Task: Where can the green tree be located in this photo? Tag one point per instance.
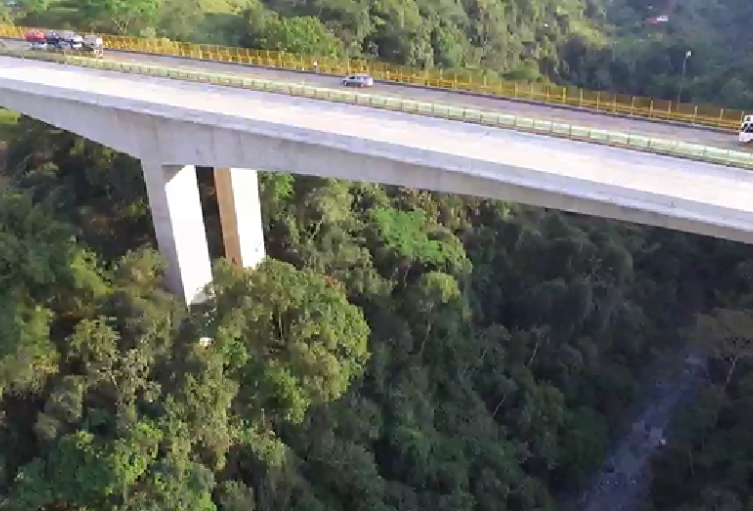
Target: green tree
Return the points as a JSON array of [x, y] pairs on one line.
[[726, 334], [5, 15], [84, 471], [405, 241], [45, 272], [295, 337], [300, 35], [124, 17]]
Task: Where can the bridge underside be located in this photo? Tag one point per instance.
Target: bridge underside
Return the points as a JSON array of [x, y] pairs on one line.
[[170, 149]]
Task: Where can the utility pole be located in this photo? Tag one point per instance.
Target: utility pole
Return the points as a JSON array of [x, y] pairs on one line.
[[682, 76]]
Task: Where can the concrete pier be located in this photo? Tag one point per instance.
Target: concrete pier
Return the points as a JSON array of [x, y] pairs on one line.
[[240, 215], [179, 225]]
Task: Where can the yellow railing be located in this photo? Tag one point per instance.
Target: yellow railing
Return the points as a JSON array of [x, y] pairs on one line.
[[606, 102]]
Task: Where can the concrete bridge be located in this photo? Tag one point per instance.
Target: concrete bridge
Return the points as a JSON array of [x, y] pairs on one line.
[[173, 126]]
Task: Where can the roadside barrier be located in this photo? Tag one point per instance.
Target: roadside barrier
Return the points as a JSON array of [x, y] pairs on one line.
[[485, 117]]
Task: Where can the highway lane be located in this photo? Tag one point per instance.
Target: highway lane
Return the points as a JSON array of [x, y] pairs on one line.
[[689, 134]]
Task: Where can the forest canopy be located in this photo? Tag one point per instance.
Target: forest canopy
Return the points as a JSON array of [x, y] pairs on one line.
[[398, 350]]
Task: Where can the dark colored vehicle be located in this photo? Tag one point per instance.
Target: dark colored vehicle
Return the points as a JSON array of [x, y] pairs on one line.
[[93, 44], [54, 40]]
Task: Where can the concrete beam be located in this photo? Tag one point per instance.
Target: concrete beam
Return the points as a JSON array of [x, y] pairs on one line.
[[240, 215], [179, 225]]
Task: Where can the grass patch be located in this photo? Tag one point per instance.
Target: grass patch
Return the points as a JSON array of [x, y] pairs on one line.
[[8, 117]]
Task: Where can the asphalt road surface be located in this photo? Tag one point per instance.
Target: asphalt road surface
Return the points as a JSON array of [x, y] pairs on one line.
[[726, 140]]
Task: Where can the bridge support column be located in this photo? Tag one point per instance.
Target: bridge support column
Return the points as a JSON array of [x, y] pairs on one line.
[[240, 215], [179, 225]]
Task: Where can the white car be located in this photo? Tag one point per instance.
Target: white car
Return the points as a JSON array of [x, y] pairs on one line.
[[359, 80]]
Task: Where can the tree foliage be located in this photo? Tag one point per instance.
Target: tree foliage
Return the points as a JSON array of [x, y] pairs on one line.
[[399, 349]]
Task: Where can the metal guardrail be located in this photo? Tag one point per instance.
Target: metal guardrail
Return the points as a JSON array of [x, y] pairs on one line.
[[476, 116], [467, 81]]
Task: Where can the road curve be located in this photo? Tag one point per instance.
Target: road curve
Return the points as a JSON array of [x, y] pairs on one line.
[[574, 117]]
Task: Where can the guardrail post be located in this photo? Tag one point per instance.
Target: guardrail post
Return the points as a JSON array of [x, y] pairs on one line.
[[580, 99], [632, 105], [598, 98], [564, 95], [651, 109], [695, 114]]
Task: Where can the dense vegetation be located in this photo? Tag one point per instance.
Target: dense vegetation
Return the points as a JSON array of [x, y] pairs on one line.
[[399, 350]]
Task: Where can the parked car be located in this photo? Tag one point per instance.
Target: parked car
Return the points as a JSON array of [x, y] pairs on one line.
[[358, 80], [55, 41], [67, 40], [36, 40], [74, 40]]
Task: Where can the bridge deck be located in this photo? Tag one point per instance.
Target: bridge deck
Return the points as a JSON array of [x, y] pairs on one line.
[[618, 179], [576, 117]]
